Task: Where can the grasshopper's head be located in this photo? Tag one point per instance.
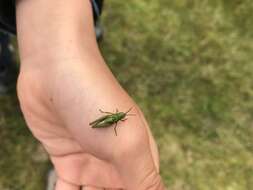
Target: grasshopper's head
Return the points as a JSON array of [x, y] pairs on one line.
[[121, 115], [124, 114]]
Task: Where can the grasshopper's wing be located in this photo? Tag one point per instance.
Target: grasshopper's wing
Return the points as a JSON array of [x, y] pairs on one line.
[[98, 120]]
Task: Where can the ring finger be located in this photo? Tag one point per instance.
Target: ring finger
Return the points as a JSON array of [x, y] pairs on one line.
[[97, 188]]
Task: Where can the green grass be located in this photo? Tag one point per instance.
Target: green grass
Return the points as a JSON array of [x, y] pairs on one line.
[[189, 65], [23, 163]]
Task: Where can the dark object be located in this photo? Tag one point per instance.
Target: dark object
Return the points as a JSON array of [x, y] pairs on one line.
[[7, 65], [8, 16], [97, 7]]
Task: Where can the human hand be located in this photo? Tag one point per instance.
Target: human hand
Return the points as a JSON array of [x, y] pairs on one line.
[[62, 84], [58, 104]]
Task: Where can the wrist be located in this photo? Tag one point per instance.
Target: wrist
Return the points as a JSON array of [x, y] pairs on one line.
[[52, 30]]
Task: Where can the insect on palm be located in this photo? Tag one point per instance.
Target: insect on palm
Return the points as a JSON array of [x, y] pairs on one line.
[[109, 119]]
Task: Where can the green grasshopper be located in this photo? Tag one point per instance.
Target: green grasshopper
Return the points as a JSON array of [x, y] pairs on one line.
[[110, 119]]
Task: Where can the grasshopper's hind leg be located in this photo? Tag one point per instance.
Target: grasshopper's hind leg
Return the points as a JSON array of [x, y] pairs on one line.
[[115, 129], [105, 111]]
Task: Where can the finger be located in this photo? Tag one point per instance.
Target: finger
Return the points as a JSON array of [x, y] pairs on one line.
[[153, 146], [62, 185], [92, 188], [143, 163], [154, 150], [97, 188], [87, 169]]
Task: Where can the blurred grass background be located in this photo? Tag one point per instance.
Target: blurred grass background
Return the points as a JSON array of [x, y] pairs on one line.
[[189, 65]]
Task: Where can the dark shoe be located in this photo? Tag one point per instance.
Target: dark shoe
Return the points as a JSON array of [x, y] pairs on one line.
[[51, 180], [8, 69], [97, 7], [99, 31]]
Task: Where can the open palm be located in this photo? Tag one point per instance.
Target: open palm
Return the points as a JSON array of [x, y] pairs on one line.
[[58, 104]]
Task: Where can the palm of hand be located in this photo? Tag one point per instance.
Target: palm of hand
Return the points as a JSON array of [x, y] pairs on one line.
[[77, 157]]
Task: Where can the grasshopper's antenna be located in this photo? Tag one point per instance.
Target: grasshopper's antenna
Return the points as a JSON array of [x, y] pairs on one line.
[[129, 111]]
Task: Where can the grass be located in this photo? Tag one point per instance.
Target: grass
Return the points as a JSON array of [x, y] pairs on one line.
[[188, 64], [23, 163]]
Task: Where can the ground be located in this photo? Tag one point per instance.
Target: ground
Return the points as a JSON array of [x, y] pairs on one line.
[[188, 64]]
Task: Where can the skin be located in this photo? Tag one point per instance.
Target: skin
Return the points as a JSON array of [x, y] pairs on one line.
[[63, 81]]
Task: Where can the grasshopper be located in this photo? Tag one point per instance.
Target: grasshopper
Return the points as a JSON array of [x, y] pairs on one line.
[[110, 119]]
